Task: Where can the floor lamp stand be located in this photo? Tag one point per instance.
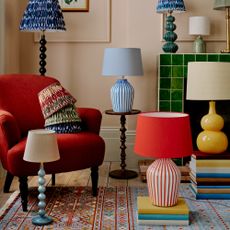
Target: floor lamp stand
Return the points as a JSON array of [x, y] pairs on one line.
[[42, 55], [227, 50]]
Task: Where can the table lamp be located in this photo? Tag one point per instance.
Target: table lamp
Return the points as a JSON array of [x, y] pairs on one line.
[[122, 62], [42, 15], [210, 81], [163, 135], [199, 25], [41, 147], [224, 5], [168, 7]]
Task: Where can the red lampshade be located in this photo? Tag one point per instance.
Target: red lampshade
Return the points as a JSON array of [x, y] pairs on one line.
[[163, 135]]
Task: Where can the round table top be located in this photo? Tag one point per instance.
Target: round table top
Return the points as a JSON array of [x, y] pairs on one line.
[[132, 112]]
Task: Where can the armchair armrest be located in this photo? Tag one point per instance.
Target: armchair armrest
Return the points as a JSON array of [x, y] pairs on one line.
[[91, 119], [9, 133]]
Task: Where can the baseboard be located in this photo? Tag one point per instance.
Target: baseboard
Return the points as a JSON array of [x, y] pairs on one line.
[[112, 141]]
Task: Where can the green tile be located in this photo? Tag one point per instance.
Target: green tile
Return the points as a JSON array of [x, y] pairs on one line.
[[178, 161], [164, 106], [176, 94], [176, 106], [188, 58], [225, 57], [201, 57], [165, 71], [177, 59], [213, 57], [177, 83], [164, 94], [165, 59], [177, 71], [165, 83]]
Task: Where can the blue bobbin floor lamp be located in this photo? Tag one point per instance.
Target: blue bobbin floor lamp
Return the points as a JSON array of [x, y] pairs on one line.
[[168, 7], [42, 15], [122, 62], [41, 147]]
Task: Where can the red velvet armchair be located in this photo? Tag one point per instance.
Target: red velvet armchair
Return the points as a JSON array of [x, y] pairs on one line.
[[20, 112]]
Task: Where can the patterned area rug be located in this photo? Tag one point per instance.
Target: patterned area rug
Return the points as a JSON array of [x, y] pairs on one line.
[[114, 208]]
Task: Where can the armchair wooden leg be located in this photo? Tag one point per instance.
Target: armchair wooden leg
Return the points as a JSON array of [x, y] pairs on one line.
[[94, 179], [23, 187], [8, 181], [53, 179]]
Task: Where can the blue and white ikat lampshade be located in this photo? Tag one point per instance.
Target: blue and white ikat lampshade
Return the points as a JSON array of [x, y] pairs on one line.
[[170, 5], [122, 62], [42, 15]]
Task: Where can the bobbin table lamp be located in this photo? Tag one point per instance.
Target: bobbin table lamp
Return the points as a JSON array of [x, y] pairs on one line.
[[41, 147], [42, 15], [122, 62], [168, 7], [210, 81], [163, 135], [224, 5], [200, 26]]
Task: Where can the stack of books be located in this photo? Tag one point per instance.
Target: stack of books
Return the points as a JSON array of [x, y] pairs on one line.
[[154, 215], [210, 175]]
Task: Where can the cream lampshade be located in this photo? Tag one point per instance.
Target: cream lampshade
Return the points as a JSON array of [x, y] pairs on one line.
[[199, 25], [41, 147], [122, 62], [210, 81]]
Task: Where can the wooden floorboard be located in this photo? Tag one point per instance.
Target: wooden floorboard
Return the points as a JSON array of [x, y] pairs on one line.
[[76, 178]]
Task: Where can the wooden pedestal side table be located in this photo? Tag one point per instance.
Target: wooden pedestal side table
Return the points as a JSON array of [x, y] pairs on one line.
[[123, 173]]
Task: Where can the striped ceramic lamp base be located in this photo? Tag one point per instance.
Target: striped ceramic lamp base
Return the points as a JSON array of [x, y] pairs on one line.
[[122, 94], [163, 179]]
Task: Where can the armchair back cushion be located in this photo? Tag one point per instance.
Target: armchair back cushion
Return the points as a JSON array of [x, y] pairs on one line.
[[16, 97]]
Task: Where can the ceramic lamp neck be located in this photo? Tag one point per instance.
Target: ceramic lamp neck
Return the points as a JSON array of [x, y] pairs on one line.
[[212, 107]]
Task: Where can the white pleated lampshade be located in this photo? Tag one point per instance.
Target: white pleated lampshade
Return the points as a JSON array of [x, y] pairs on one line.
[[41, 146]]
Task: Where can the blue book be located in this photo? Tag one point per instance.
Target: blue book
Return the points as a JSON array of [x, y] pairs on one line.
[[162, 217], [213, 175], [213, 186], [216, 196]]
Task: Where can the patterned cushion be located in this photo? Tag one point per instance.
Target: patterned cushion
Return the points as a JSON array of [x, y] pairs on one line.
[[53, 98], [70, 127], [58, 109], [65, 115]]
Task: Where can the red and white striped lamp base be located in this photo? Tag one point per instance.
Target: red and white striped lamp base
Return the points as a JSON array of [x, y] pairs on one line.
[[163, 179]]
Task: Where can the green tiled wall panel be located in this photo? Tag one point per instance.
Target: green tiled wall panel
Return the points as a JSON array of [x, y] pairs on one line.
[[172, 71]]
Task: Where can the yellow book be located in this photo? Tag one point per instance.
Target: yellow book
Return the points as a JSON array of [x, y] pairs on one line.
[[212, 163], [145, 206]]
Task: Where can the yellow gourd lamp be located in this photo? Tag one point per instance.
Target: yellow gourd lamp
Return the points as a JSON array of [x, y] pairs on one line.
[[210, 81]]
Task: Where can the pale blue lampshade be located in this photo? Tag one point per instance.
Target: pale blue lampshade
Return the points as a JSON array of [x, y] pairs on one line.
[[165, 6], [42, 15], [122, 62]]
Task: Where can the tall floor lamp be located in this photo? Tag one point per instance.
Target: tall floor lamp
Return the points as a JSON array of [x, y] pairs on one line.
[[42, 15], [224, 5]]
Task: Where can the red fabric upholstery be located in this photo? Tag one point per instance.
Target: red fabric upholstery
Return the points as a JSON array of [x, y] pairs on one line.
[[20, 112]]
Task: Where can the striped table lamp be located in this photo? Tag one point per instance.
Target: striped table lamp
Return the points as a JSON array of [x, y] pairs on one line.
[[122, 62], [163, 135]]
